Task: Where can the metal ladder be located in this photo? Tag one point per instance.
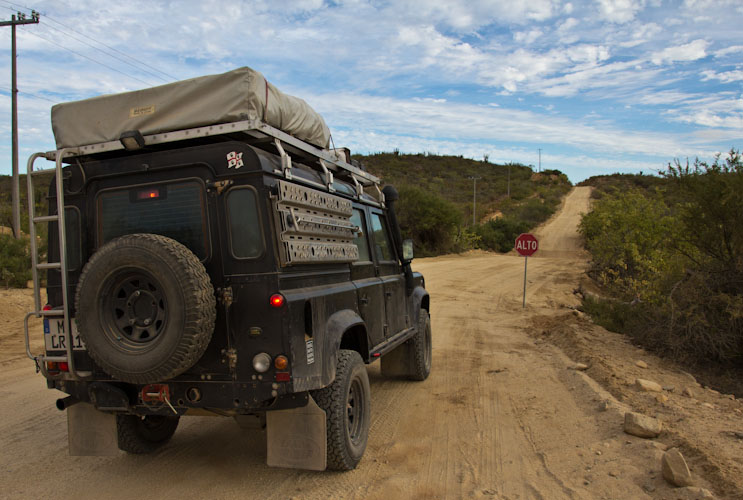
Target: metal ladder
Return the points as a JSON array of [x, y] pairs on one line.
[[42, 359]]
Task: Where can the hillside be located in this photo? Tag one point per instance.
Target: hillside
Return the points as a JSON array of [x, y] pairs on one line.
[[450, 177], [617, 183]]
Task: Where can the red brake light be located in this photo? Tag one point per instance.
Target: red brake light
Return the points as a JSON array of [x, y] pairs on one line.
[[276, 300], [63, 366], [47, 307], [148, 194]]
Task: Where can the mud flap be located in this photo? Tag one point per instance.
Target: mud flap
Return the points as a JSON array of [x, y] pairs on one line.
[[91, 432], [399, 361], [296, 438]]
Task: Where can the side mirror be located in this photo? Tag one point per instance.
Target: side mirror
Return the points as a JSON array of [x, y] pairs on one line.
[[407, 250]]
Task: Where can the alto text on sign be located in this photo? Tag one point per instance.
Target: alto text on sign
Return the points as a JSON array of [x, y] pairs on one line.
[[526, 244]]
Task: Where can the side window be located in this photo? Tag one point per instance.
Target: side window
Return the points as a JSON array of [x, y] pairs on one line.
[[382, 247], [246, 239], [357, 219], [72, 230]]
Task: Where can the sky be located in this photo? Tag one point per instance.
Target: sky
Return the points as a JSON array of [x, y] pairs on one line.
[[599, 86]]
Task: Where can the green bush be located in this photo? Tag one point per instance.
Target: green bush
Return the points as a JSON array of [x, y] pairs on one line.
[[500, 234], [15, 263], [633, 240], [432, 222], [674, 259]]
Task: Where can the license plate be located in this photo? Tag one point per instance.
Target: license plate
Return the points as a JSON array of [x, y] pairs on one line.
[[55, 337]]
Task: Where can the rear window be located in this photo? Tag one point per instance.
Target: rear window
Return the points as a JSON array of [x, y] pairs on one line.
[[174, 210]]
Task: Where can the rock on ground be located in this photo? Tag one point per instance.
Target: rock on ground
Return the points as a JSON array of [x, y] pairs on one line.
[[648, 385], [642, 426], [693, 493], [675, 470]]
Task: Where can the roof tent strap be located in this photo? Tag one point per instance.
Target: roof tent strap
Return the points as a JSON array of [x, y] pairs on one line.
[[328, 176], [380, 194], [286, 160], [359, 187]]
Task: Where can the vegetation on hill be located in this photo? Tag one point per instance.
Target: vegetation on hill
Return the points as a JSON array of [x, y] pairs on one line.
[[436, 199], [670, 249]]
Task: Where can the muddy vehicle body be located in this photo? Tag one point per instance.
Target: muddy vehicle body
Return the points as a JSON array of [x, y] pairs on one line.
[[229, 270]]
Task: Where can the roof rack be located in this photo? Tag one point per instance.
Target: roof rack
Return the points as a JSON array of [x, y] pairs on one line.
[[262, 133]]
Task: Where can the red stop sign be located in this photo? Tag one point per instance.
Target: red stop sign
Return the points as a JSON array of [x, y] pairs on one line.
[[526, 244]]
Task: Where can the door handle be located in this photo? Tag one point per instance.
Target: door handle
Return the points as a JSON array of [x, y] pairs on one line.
[[364, 300]]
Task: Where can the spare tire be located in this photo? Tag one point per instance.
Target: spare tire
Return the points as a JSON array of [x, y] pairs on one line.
[[145, 308]]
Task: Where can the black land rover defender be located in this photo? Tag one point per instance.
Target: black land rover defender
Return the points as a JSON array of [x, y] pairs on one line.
[[225, 270]]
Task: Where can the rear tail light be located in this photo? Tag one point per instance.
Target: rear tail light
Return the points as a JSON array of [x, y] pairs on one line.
[[276, 300], [63, 366]]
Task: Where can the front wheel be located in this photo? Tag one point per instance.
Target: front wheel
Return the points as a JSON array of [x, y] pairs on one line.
[[347, 405], [140, 435], [422, 348]]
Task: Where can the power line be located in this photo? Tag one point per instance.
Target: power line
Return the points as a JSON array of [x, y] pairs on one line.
[[91, 59], [30, 94], [115, 50], [137, 61], [104, 52]]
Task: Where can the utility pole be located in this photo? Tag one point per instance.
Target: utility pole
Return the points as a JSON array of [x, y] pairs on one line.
[[540, 160], [509, 181], [474, 198], [21, 19]]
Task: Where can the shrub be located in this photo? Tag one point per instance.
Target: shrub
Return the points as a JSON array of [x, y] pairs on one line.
[[680, 252], [15, 263], [632, 239], [432, 222], [500, 234]]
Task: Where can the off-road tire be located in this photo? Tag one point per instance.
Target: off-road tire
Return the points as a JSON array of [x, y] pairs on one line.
[[422, 348], [142, 435], [347, 405], [145, 308]]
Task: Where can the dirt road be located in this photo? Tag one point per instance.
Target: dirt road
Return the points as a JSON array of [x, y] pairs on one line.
[[503, 415]]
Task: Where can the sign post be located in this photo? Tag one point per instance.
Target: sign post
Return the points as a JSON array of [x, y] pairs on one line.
[[526, 245]]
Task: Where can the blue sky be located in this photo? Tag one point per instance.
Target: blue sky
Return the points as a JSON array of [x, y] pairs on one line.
[[600, 86]]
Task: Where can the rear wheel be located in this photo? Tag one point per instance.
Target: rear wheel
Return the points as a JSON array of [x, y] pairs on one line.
[[137, 434], [347, 405]]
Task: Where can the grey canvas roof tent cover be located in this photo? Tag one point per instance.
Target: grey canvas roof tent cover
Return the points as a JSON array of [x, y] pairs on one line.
[[240, 94]]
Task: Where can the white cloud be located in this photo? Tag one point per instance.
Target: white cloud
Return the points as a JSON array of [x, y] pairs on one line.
[[641, 34], [620, 11], [724, 77], [457, 121], [688, 52], [728, 50], [527, 37]]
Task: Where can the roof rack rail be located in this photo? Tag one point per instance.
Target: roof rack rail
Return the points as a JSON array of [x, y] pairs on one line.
[[262, 133]]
